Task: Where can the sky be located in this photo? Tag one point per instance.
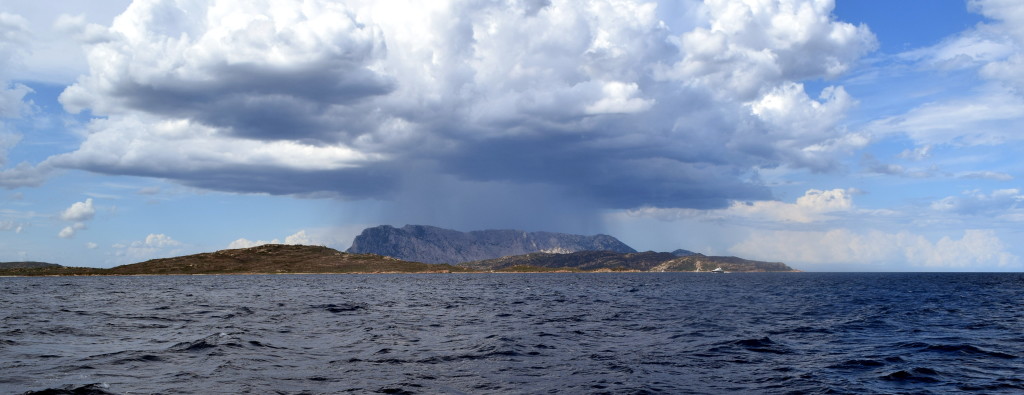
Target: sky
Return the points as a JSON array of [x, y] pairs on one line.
[[831, 135]]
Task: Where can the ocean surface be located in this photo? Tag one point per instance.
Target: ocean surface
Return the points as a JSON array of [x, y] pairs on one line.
[[625, 333]]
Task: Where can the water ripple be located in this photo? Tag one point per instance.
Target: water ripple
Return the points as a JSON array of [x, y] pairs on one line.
[[514, 333]]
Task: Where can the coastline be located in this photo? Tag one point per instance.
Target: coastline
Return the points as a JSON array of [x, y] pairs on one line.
[[299, 259], [600, 271]]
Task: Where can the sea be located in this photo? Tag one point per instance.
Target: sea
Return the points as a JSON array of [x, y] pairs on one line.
[[586, 333]]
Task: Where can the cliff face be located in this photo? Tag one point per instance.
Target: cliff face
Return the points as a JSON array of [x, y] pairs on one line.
[[430, 244]]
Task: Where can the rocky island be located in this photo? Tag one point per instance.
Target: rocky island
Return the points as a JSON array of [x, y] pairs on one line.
[[425, 249], [429, 244]]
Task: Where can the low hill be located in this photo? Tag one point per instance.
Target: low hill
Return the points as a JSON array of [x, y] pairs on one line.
[[279, 258], [27, 265], [421, 243], [640, 261]]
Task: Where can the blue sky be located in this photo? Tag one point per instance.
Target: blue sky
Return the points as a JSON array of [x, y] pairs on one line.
[[858, 135]]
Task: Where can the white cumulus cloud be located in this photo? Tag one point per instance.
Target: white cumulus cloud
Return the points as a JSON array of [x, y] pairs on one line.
[[154, 245], [69, 231], [157, 241], [79, 211], [814, 206], [300, 237], [246, 243]]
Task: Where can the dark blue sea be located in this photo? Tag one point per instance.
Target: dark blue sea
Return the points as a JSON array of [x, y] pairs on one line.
[[628, 333]]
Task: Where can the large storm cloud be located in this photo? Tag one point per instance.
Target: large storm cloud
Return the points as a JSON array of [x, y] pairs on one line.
[[606, 104]]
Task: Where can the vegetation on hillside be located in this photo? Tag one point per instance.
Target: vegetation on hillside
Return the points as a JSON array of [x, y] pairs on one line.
[[281, 259]]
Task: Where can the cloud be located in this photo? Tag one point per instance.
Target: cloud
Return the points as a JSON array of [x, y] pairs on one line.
[[603, 102], [975, 250], [14, 44], [973, 48], [24, 175], [9, 225], [200, 157], [999, 203], [814, 206], [1010, 18], [871, 164], [14, 37], [985, 175], [153, 245], [990, 118], [80, 30], [619, 98], [157, 241], [79, 211], [990, 113], [268, 70], [246, 243], [300, 237], [69, 231], [918, 153], [7, 141], [751, 45]]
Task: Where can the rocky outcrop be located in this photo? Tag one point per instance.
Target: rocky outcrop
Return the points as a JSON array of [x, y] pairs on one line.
[[428, 244]]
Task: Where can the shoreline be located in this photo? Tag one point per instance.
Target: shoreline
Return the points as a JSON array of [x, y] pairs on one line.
[[368, 273]]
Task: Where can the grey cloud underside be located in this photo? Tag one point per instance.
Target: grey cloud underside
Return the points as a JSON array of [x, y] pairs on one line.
[[599, 106], [368, 182], [253, 102], [588, 178], [614, 178]]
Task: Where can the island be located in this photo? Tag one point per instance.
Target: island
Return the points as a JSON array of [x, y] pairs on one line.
[[301, 259]]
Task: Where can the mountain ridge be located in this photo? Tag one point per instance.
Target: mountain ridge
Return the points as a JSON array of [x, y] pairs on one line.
[[431, 244]]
